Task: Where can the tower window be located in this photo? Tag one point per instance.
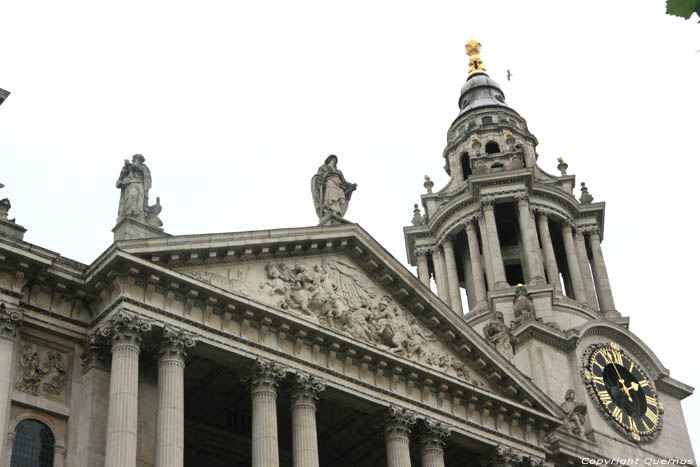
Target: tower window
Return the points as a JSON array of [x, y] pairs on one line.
[[466, 168], [33, 445], [492, 147], [486, 121]]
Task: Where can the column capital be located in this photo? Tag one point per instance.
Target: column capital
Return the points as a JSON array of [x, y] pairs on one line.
[[434, 434], [126, 328], [265, 375], [447, 240], [488, 202], [522, 197], [307, 388], [95, 355], [541, 213], [505, 456], [593, 232], [10, 321], [422, 251], [470, 222], [567, 224], [175, 342], [399, 421]]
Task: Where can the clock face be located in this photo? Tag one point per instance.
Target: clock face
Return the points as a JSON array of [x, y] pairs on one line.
[[622, 391]]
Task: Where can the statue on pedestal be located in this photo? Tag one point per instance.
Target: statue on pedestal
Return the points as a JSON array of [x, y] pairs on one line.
[[134, 182], [523, 307], [330, 191], [499, 336]]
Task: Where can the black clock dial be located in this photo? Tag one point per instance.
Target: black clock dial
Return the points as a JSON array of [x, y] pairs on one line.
[[622, 391]]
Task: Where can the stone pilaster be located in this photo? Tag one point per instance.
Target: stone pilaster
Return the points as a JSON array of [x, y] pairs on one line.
[[600, 276], [572, 262], [423, 269], [10, 320], [432, 443], [398, 427], [495, 257], [475, 260], [531, 248], [170, 419], [585, 267], [452, 277], [264, 382], [126, 331], [304, 437], [550, 260], [440, 274]]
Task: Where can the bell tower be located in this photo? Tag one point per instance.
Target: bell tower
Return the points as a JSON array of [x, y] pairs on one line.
[[501, 220]]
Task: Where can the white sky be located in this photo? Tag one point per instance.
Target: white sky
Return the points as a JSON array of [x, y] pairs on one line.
[[236, 104]]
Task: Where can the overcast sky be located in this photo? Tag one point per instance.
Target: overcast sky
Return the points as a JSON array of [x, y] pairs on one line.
[[235, 105]]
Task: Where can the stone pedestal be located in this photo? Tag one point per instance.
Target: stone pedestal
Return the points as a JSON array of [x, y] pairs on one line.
[[128, 229], [304, 436], [398, 427], [264, 381]]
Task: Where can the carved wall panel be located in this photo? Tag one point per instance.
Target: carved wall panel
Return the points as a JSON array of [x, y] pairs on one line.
[[43, 371], [334, 292]]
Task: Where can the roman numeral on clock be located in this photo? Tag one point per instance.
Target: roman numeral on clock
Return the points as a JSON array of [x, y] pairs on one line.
[[652, 416]]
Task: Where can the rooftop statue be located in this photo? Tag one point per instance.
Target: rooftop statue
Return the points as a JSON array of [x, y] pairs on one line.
[[134, 182], [331, 192]]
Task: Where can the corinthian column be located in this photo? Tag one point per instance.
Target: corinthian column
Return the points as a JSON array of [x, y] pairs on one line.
[[170, 421], [550, 260], [452, 277], [585, 267], [9, 322], [398, 427], [572, 261], [600, 276], [432, 442], [475, 260], [440, 274], [304, 437], [531, 248], [126, 331], [423, 270], [264, 381], [495, 257]]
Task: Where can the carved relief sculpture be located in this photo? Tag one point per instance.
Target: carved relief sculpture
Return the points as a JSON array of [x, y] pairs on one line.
[[575, 417], [30, 371], [56, 373], [499, 336], [330, 191]]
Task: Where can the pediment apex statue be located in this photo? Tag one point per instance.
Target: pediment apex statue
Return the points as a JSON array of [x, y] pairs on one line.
[[330, 191], [134, 182]]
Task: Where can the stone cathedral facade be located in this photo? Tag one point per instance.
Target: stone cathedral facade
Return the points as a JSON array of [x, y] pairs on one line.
[[313, 346]]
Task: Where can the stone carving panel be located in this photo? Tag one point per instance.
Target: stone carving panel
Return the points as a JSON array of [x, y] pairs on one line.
[[42, 372], [333, 292]]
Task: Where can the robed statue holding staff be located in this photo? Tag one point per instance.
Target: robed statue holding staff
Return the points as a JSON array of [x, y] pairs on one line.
[[330, 191]]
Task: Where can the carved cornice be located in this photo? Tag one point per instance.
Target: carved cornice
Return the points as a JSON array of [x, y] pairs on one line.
[[126, 328], [10, 320], [307, 388], [399, 422]]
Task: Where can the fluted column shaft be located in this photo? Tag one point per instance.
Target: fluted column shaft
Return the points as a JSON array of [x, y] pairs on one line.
[[170, 418], [487, 255], [9, 321], [528, 234], [496, 259], [264, 382], [122, 415], [452, 277], [440, 275], [600, 276], [585, 270], [423, 269], [475, 260], [126, 331], [396, 433], [572, 260], [304, 436], [550, 260]]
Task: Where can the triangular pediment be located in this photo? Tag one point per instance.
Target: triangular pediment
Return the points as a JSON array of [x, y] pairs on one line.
[[334, 291]]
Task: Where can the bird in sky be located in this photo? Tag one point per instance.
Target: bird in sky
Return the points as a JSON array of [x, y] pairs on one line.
[[509, 74]]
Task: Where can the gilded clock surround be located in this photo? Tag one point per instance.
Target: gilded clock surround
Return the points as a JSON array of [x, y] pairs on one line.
[[622, 391]]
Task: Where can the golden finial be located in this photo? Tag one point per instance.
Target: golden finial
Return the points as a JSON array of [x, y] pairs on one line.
[[473, 48], [508, 133], [560, 159], [475, 138], [427, 177]]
